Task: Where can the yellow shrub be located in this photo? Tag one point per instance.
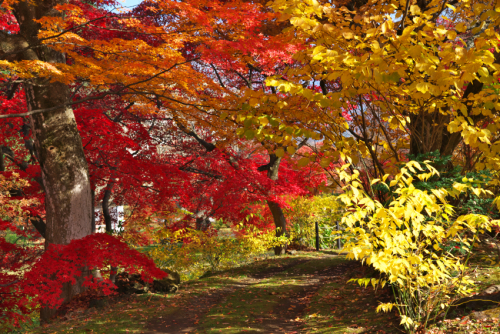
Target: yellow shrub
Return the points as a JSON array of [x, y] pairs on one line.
[[304, 212], [192, 252], [12, 209], [405, 241]]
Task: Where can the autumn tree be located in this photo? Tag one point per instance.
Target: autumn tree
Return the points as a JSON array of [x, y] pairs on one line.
[[244, 64], [414, 78], [63, 56]]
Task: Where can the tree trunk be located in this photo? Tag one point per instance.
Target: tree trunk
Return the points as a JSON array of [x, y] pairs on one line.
[[105, 208], [108, 221], [202, 223], [94, 227], [96, 272], [277, 212], [2, 163], [68, 202], [429, 131], [57, 141], [280, 225]]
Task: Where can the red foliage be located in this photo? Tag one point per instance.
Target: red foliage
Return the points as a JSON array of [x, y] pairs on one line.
[[150, 162], [59, 264], [63, 263]]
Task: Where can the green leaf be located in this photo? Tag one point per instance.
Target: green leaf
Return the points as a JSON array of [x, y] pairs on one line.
[[274, 122]]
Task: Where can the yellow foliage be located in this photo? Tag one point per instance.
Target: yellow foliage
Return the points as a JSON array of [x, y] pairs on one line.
[[397, 59], [405, 73], [192, 252], [12, 209], [303, 212], [405, 240]]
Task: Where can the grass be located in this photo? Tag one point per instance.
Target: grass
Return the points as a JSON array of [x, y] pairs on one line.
[[255, 297], [125, 317], [253, 302]]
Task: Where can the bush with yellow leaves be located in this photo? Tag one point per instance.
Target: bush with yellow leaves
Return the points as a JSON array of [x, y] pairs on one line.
[[193, 252], [304, 212], [406, 240]]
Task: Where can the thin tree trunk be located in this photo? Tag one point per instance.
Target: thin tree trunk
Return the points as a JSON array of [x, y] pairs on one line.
[[94, 228], [108, 220], [277, 212], [105, 207], [2, 163], [96, 272]]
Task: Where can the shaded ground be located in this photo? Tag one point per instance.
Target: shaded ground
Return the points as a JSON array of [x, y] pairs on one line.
[[305, 293], [187, 318], [288, 315]]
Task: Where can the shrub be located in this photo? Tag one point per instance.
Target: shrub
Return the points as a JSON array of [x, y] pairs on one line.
[[304, 212], [408, 239], [192, 252]]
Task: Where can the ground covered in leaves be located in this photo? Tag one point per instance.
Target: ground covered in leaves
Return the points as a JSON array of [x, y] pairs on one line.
[[305, 293]]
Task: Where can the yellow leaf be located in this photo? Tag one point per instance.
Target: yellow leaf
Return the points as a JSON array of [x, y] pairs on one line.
[[441, 31], [423, 87], [414, 9], [415, 51], [451, 35], [325, 162], [451, 7], [253, 102], [483, 71], [303, 162], [348, 34], [461, 27]]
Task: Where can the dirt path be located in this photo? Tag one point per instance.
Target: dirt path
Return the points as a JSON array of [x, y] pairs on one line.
[[187, 318], [285, 316]]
